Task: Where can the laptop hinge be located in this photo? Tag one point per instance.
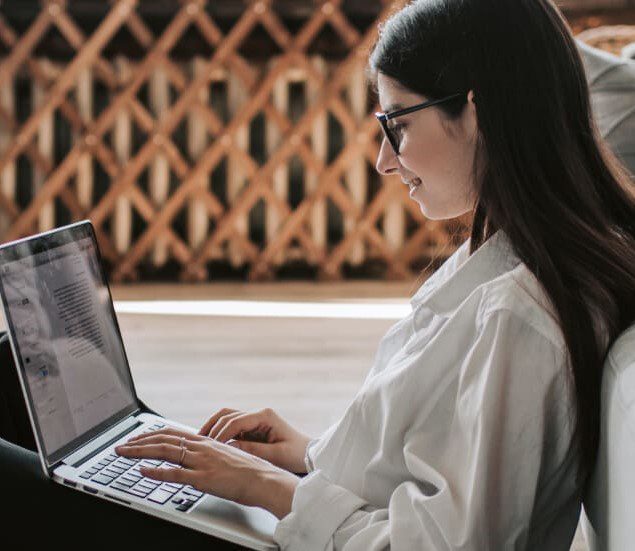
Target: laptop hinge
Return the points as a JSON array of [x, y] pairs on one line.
[[100, 443]]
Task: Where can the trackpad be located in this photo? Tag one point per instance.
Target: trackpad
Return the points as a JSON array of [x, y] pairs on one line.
[[226, 515]]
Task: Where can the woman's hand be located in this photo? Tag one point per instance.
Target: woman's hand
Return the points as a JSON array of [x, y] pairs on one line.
[[215, 468], [263, 433]]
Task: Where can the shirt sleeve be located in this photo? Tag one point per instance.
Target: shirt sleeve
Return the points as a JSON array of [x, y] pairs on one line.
[[482, 497]]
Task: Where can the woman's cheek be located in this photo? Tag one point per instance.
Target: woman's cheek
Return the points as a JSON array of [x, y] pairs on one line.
[[411, 157]]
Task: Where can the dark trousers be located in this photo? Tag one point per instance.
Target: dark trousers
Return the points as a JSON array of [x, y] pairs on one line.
[[37, 511]]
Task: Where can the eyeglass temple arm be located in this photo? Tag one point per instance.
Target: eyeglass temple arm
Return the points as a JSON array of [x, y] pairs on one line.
[[408, 110]]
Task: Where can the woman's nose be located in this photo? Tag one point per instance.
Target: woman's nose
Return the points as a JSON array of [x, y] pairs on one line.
[[386, 160]]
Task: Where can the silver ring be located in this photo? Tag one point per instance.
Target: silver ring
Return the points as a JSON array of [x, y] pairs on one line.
[[183, 450]]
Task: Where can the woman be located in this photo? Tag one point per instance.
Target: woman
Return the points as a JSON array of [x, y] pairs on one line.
[[477, 426]]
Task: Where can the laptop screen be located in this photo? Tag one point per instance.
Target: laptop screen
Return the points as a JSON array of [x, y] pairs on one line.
[[65, 334]]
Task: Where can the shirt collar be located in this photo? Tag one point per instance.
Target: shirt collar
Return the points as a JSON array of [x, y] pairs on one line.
[[462, 273]]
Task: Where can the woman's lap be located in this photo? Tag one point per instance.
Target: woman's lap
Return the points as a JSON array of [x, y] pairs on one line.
[[39, 511]]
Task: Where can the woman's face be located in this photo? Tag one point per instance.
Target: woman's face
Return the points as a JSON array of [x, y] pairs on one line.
[[436, 155]]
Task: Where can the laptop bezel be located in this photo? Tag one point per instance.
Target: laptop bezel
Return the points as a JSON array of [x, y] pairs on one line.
[[23, 248]]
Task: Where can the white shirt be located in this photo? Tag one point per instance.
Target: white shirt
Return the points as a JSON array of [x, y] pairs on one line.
[[460, 435]]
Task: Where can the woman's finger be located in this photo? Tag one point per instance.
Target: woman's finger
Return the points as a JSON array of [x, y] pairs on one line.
[[222, 422], [163, 451], [180, 476], [157, 439], [264, 451], [247, 422], [207, 427], [171, 432]]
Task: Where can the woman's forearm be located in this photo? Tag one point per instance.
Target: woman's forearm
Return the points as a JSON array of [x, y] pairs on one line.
[[275, 491]]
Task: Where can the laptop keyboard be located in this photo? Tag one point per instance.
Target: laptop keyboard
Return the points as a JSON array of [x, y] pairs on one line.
[[122, 473]]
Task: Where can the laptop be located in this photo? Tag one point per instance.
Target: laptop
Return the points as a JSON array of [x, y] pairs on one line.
[[79, 390]]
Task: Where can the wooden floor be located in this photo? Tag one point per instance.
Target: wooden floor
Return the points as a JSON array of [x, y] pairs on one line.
[[308, 369], [349, 291]]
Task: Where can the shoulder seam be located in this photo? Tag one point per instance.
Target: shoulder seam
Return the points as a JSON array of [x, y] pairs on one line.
[[483, 315]]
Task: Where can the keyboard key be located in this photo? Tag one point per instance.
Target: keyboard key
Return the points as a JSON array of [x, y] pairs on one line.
[[152, 481], [178, 500], [125, 482], [92, 470], [141, 489], [86, 475], [101, 479], [184, 506], [131, 491], [192, 492], [102, 464], [116, 469], [151, 462], [146, 485], [111, 473], [130, 477], [117, 485], [159, 496], [174, 485], [111, 457], [169, 489], [127, 461]]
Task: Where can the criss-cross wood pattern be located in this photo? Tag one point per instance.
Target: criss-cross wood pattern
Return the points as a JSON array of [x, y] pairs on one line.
[[139, 224], [183, 184]]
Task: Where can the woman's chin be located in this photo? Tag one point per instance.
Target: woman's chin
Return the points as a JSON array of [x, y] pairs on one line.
[[429, 213], [437, 214]]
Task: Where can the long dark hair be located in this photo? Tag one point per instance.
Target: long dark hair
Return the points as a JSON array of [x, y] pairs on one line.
[[545, 176]]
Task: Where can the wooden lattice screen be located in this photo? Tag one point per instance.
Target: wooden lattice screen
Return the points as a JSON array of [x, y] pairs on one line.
[[217, 157], [158, 151]]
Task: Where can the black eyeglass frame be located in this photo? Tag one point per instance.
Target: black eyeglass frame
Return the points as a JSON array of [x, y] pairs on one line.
[[383, 118]]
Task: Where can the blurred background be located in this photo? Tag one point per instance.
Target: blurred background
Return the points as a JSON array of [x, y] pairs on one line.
[[225, 152], [216, 141]]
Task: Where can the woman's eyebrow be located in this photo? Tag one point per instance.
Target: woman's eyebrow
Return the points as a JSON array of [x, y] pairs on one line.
[[393, 107]]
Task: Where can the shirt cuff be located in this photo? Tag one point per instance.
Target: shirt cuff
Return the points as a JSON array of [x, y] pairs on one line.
[[308, 462], [317, 509]]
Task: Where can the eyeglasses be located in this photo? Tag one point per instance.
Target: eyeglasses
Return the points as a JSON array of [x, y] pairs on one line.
[[390, 133]]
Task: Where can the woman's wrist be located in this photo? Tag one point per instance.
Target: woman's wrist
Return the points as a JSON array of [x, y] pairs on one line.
[[300, 463], [275, 489]]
